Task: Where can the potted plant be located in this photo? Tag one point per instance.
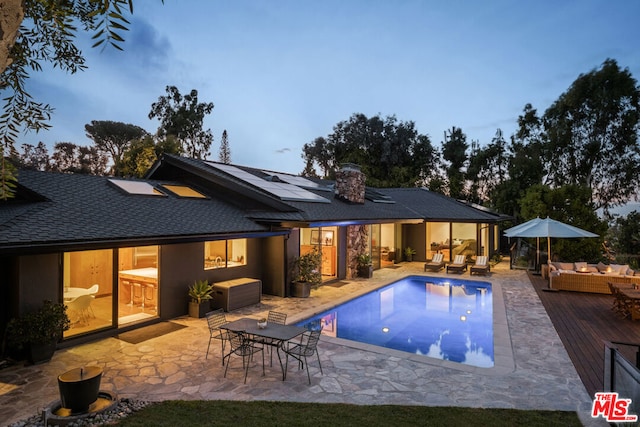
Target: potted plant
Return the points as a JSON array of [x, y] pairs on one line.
[[306, 274], [409, 252], [39, 331], [365, 267], [200, 294]]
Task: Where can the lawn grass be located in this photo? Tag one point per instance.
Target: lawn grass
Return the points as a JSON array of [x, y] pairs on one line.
[[266, 413]]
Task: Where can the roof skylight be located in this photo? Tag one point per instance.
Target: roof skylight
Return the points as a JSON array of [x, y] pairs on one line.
[[184, 191], [137, 187]]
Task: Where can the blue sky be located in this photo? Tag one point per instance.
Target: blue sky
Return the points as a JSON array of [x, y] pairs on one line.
[[282, 73]]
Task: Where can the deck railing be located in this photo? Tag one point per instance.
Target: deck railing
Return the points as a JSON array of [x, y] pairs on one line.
[[621, 375]]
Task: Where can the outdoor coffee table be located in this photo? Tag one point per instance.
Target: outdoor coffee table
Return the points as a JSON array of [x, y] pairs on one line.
[[273, 331]]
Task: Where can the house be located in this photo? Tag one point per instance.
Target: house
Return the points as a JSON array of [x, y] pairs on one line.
[[144, 241]]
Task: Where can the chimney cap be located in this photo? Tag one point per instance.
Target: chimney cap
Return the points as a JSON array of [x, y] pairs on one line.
[[349, 167]]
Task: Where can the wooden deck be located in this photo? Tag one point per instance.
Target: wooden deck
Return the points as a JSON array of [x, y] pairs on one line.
[[583, 322]]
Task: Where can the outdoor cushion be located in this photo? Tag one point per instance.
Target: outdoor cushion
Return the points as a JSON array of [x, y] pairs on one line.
[[580, 265], [565, 266], [602, 267], [620, 269]]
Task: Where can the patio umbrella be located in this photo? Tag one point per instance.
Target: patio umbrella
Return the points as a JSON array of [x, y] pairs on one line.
[[548, 228], [511, 232]]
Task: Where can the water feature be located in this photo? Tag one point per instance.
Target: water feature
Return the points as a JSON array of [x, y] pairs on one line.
[[80, 397]]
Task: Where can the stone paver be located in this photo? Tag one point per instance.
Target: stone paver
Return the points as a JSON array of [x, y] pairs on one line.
[[533, 370]]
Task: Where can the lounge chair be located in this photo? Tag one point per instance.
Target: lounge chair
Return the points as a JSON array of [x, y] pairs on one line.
[[458, 265], [436, 263], [481, 266]]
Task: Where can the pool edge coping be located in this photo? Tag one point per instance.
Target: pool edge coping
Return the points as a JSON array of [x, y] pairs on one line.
[[503, 358]]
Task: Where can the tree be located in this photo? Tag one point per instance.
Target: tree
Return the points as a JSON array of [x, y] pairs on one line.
[[454, 151], [225, 151], [487, 169], [142, 153], [37, 32], [182, 117], [35, 158], [525, 165], [571, 204], [626, 239], [113, 138], [592, 132], [390, 153], [71, 158]]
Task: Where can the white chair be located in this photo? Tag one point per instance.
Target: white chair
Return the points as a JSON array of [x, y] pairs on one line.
[[93, 290], [81, 306]]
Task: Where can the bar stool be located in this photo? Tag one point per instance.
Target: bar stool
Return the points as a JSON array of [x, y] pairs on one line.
[[127, 283], [138, 286], [152, 287]]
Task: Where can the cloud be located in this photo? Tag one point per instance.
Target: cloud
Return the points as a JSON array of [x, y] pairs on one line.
[[144, 49]]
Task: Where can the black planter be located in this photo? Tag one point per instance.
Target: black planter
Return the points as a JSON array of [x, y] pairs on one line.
[[79, 388], [199, 310], [300, 289], [365, 271], [41, 352]]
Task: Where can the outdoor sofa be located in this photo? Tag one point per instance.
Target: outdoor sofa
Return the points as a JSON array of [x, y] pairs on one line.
[[594, 278]]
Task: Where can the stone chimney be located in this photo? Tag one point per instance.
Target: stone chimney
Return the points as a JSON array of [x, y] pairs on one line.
[[350, 183]]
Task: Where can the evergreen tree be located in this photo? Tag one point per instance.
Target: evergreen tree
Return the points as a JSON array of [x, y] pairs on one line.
[[225, 152]]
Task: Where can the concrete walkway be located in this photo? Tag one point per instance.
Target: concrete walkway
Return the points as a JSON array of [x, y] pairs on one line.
[[532, 369]]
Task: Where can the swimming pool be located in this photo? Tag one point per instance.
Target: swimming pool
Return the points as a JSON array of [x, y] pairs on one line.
[[439, 317]]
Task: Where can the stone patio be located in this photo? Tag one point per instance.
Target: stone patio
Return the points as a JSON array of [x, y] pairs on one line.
[[532, 369]]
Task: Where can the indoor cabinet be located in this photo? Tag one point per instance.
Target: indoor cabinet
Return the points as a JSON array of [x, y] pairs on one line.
[[92, 267], [328, 264]]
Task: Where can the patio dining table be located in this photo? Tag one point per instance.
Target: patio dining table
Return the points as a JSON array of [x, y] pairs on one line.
[[632, 294], [273, 331]]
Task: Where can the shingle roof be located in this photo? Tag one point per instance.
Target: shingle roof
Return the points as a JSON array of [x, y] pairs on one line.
[[406, 203], [83, 208], [432, 206], [80, 209]]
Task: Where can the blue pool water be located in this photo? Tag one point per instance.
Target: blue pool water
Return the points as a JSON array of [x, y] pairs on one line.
[[448, 319]]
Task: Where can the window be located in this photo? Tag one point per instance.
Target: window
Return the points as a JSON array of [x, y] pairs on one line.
[[88, 290], [225, 253], [138, 284], [184, 191], [136, 187]]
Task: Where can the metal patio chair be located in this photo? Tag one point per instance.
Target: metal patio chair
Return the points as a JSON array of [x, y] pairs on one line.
[[307, 345], [242, 346], [215, 319]]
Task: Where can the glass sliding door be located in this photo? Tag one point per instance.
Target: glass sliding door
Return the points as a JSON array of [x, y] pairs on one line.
[[87, 282], [138, 285], [464, 239], [323, 239], [439, 239], [387, 245], [375, 245]]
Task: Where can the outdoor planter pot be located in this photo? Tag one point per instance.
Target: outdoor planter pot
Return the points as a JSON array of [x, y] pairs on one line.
[[300, 289], [306, 273], [365, 268], [38, 331], [200, 293]]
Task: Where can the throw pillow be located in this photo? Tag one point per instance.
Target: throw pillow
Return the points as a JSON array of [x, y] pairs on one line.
[[581, 266]]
